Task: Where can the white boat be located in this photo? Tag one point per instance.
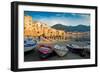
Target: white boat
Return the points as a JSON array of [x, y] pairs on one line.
[[29, 44], [60, 50]]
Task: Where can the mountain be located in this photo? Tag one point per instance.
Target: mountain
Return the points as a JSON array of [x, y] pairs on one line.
[[78, 28]]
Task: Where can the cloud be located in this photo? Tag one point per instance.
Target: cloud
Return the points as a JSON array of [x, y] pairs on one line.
[[70, 19]]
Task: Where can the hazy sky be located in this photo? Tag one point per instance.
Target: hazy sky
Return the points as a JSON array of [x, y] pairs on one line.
[[52, 18]]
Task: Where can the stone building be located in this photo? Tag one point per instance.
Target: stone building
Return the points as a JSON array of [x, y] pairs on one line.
[[77, 36], [39, 29]]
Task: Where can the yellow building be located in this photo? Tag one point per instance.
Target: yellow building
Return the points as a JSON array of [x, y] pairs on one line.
[[27, 26], [39, 29]]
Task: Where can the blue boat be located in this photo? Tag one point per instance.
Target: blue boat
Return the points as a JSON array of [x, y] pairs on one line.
[[29, 44], [82, 51]]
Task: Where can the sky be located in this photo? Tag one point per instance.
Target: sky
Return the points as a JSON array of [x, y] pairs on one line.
[[52, 18]]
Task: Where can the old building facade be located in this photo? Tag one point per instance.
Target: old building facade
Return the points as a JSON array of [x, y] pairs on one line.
[[40, 29]]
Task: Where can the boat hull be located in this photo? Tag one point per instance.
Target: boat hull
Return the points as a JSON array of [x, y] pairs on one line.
[[29, 44], [26, 49], [80, 51], [60, 50], [45, 51]]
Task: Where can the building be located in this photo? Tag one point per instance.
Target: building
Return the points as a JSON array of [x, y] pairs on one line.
[[39, 29]]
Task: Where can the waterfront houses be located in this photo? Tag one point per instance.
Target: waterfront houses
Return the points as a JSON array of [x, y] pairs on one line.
[[40, 29]]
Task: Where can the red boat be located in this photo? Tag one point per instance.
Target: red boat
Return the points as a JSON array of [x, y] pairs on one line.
[[45, 51]]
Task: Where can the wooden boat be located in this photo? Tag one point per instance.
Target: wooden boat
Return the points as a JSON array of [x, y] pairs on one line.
[[45, 51], [29, 44], [82, 51], [87, 49], [60, 50]]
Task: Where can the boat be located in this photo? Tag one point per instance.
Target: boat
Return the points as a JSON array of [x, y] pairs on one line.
[[45, 51], [60, 50], [29, 44], [82, 51], [87, 49]]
